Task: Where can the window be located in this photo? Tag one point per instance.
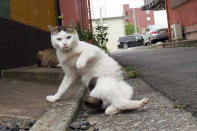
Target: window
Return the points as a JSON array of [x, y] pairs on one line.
[[148, 18], [138, 37], [148, 25], [130, 38], [147, 11]]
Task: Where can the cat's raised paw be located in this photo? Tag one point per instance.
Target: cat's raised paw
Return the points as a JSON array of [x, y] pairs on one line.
[[80, 64], [51, 98]]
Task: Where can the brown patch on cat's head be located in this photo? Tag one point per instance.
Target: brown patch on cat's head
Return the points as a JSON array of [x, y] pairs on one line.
[[70, 28], [56, 29]]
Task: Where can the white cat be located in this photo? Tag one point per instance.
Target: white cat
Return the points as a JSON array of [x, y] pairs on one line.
[[78, 58]]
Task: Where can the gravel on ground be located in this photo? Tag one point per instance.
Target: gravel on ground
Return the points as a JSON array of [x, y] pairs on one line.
[[15, 124]]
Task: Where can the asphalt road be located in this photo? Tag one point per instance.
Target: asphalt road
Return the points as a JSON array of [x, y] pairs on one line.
[[171, 71]]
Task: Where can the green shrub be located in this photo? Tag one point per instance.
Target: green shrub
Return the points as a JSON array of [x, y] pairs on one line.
[[98, 39], [130, 29]]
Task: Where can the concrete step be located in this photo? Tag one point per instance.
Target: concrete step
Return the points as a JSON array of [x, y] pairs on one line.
[[34, 74], [22, 99]]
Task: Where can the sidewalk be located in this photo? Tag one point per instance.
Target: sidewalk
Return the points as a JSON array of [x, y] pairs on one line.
[[183, 43], [159, 114], [26, 100]]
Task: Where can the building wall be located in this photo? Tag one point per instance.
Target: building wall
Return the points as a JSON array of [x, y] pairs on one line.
[[75, 10], [20, 43], [141, 17], [116, 29], [127, 13], [186, 15], [41, 13], [20, 40], [34, 12]]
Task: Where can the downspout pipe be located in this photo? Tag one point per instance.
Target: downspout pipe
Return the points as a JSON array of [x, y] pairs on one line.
[[168, 17], [90, 17]]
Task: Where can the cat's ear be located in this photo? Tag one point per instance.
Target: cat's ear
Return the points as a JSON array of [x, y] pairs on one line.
[[52, 29], [71, 27], [71, 24]]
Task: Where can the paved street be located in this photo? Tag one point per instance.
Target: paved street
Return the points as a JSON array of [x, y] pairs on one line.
[[171, 71]]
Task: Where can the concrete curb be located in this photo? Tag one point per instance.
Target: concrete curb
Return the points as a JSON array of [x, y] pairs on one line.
[[185, 43], [35, 74], [61, 114]]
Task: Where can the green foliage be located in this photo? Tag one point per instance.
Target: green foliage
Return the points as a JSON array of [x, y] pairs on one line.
[[128, 68], [181, 106], [130, 29], [100, 37], [83, 35], [131, 72], [134, 74]]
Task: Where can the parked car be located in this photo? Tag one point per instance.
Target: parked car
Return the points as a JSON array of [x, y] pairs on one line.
[[155, 33], [130, 41]]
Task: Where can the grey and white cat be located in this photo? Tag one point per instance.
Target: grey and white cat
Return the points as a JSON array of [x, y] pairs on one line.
[[78, 58]]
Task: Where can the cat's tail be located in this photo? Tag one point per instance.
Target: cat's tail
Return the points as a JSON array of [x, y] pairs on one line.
[[126, 89], [125, 104]]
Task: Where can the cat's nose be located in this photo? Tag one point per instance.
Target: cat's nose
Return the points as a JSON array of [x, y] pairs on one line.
[[64, 44]]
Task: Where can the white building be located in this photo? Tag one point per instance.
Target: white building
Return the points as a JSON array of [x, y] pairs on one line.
[[116, 29]]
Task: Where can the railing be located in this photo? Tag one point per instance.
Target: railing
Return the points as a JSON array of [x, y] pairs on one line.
[[153, 5]]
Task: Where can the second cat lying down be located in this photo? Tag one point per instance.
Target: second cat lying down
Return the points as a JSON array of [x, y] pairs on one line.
[[47, 58]]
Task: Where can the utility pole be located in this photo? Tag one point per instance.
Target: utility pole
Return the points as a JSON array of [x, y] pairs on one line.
[[134, 20], [101, 17]]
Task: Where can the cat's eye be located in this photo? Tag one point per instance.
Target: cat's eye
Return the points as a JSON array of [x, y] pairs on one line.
[[59, 39], [68, 37]]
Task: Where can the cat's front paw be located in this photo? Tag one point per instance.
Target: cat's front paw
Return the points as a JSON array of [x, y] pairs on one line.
[[51, 98], [80, 64]]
